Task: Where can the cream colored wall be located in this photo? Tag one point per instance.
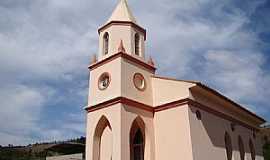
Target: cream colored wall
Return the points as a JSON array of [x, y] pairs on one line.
[[127, 35], [128, 89], [121, 85], [208, 137], [120, 118], [128, 115], [166, 91], [113, 114], [106, 144], [114, 90], [172, 134]]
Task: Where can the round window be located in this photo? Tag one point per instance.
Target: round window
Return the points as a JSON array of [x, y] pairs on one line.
[[104, 81], [139, 81]]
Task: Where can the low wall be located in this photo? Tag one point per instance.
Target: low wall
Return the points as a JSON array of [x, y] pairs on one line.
[[67, 157]]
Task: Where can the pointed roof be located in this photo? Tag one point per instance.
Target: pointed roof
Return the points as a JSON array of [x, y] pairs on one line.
[[122, 12]]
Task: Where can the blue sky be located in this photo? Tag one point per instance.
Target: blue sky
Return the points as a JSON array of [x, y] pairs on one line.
[[45, 48]]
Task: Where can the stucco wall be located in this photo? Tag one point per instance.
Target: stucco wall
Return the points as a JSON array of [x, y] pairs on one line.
[[208, 134], [113, 115], [128, 115], [114, 89], [121, 72], [166, 91], [120, 118], [128, 88], [127, 36], [172, 134]]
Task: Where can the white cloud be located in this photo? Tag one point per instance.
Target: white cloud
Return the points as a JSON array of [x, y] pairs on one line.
[[239, 75], [20, 111], [213, 42]]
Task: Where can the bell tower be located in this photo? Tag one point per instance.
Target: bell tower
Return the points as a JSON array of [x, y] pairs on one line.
[[132, 35], [119, 111]]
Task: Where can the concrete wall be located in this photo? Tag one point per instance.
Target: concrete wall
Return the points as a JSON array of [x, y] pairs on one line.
[[208, 134], [67, 157]]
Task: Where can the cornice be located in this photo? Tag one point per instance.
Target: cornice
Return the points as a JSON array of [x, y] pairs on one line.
[[126, 23], [179, 103], [152, 69], [243, 109], [121, 100]]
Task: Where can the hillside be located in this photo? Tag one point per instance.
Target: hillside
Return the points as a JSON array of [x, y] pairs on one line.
[[39, 151]]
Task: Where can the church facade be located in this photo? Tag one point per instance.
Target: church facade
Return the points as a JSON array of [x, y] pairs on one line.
[[133, 114]]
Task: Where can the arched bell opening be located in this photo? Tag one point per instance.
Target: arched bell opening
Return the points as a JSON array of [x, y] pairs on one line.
[[106, 43], [137, 44]]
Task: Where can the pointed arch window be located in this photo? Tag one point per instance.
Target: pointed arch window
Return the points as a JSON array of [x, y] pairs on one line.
[[241, 148], [137, 140], [252, 150], [106, 43], [228, 146], [137, 44], [138, 147]]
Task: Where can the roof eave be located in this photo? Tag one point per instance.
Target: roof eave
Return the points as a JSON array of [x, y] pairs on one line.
[[208, 89]]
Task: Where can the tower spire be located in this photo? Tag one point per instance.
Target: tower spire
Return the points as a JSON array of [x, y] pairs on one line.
[[122, 12]]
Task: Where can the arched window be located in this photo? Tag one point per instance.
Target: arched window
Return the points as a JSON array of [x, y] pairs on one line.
[[228, 146], [138, 148], [106, 43], [241, 148], [252, 150], [137, 44], [137, 140]]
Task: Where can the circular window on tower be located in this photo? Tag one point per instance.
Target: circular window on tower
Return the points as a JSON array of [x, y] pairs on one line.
[[104, 81], [139, 81]]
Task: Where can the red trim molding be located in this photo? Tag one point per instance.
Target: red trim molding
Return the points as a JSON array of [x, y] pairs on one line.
[[179, 103], [127, 23], [126, 56], [122, 100], [171, 105], [228, 100]]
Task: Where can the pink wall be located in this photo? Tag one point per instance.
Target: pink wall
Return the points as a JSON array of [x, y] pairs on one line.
[[207, 136]]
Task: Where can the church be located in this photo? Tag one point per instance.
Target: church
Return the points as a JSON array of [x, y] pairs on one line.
[[133, 114]]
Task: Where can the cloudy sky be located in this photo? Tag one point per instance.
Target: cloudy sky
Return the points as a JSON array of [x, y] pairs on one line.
[[46, 45]]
